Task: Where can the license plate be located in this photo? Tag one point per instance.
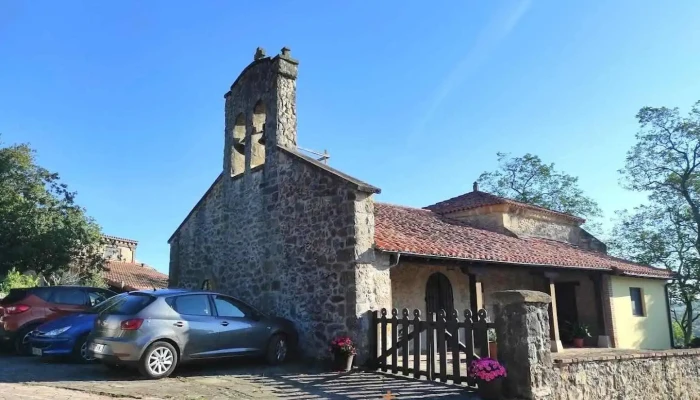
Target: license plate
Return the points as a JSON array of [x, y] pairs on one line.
[[36, 352], [99, 348]]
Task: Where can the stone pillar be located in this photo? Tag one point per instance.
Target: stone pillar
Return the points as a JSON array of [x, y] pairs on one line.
[[372, 284], [556, 345], [522, 327]]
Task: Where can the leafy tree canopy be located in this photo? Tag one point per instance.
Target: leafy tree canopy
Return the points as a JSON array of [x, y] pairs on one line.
[[42, 228], [666, 233], [529, 180]]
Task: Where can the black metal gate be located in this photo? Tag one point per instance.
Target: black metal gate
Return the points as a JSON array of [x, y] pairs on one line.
[[422, 347]]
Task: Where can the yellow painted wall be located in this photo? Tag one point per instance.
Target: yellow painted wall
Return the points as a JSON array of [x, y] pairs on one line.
[[634, 332]]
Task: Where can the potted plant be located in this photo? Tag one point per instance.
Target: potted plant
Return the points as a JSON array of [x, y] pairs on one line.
[[343, 350], [489, 375], [493, 347], [579, 332]]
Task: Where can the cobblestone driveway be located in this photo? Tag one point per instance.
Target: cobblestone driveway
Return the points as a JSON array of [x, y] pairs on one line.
[[29, 378]]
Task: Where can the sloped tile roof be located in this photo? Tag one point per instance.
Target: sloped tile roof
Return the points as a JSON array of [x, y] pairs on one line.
[[478, 199], [423, 232], [120, 239], [134, 276]]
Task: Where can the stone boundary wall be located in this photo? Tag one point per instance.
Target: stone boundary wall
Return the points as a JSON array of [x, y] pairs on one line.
[[671, 374]]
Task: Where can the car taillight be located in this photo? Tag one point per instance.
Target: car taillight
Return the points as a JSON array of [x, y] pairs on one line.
[[131, 324], [18, 309]]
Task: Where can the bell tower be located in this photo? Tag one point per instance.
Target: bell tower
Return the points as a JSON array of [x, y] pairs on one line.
[[260, 111]]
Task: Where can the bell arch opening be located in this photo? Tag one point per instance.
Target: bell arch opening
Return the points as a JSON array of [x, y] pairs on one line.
[[257, 135], [238, 150]]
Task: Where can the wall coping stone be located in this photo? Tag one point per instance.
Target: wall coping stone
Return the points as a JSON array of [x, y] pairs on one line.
[[358, 184], [626, 356], [521, 296]]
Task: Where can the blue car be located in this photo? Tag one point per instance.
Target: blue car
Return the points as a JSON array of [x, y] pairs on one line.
[[66, 336]]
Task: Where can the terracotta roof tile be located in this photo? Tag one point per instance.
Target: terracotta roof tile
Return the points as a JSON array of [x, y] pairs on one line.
[[120, 239], [134, 276], [478, 199], [423, 232]]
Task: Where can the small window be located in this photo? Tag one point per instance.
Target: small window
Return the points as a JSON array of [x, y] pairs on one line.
[[637, 298], [226, 307], [196, 304], [74, 297]]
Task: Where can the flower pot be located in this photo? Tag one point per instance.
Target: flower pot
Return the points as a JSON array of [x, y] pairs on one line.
[[343, 362], [578, 342], [493, 350], [490, 390]]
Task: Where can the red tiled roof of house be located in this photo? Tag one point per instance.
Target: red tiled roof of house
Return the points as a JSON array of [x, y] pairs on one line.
[[134, 276], [478, 199], [422, 232]]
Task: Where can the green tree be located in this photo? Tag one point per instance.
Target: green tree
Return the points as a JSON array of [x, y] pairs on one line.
[[16, 280], [42, 228], [678, 333], [664, 164], [529, 180]]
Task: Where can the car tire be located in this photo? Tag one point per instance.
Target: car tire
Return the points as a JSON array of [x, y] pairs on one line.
[[21, 343], [158, 361], [80, 351], [277, 350]]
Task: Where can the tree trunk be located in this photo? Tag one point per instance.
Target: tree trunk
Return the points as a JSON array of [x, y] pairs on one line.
[[688, 334]]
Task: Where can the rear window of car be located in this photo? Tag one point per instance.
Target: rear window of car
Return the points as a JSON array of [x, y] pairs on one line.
[[14, 296], [129, 304]]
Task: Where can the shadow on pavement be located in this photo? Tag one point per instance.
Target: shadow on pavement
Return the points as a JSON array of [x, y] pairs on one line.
[[240, 378]]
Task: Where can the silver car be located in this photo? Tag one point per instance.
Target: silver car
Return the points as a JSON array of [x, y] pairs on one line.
[[157, 330]]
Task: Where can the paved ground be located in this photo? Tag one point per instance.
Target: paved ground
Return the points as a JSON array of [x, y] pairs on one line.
[[29, 378]]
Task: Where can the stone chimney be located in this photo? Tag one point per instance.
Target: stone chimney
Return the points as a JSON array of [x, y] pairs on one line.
[[476, 186]]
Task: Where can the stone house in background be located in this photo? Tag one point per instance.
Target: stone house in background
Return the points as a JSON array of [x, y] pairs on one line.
[[123, 272], [302, 240]]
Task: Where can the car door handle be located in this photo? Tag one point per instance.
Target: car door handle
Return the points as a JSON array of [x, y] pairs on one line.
[[179, 324], [225, 323]]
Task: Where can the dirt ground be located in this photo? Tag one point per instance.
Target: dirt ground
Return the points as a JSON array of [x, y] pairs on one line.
[[30, 378]]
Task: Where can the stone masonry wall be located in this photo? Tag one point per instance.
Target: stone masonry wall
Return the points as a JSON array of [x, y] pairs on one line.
[[284, 241], [409, 280], [644, 376]]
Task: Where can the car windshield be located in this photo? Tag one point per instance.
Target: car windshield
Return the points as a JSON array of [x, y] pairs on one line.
[[98, 308], [129, 304]]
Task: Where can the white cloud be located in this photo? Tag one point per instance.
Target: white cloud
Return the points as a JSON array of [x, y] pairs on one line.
[[495, 31]]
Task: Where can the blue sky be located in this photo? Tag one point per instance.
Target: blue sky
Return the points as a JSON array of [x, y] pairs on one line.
[[125, 98]]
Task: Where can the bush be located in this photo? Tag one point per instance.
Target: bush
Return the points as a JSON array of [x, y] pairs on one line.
[[695, 343], [15, 280]]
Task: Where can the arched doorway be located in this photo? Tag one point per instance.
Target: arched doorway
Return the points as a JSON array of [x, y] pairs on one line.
[[438, 294]]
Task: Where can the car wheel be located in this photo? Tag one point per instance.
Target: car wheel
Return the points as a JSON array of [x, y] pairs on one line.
[[277, 350], [22, 346], [158, 361], [80, 351]]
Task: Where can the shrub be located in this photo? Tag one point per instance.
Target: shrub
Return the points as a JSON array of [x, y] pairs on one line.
[[16, 280], [486, 369], [694, 343]]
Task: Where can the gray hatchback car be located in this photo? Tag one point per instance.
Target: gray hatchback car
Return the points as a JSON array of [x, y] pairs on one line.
[[157, 330]]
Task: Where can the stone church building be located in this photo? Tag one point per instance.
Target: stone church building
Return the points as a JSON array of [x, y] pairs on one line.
[[299, 239]]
